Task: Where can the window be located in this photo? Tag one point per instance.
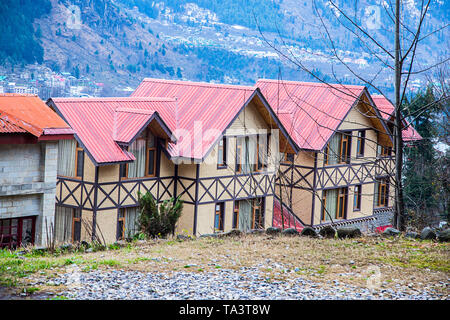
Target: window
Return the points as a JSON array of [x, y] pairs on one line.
[[222, 153], [236, 215], [127, 223], [218, 217], [258, 214], [289, 158], [246, 153], [360, 143], [76, 225], [67, 153], [121, 224], [144, 150], [238, 167], [382, 192], [334, 204], [357, 198], [79, 161], [338, 149], [17, 232], [151, 156], [262, 152], [384, 151], [123, 170], [67, 224]]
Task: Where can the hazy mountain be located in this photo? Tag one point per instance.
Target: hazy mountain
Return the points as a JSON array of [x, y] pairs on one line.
[[120, 42]]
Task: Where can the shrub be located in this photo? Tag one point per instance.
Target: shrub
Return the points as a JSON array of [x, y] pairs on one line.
[[159, 221]]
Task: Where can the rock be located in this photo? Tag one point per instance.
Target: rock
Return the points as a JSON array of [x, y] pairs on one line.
[[273, 231], [290, 232], [412, 235], [427, 234], [391, 232], [231, 233], [121, 243], [327, 232], [183, 237], [209, 235], [444, 236], [66, 247], [443, 225], [348, 232], [309, 232], [255, 231]]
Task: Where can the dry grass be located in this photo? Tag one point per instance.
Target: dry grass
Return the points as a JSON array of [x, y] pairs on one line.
[[401, 261]]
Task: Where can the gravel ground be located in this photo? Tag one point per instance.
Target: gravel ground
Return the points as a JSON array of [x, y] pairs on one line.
[[223, 284]]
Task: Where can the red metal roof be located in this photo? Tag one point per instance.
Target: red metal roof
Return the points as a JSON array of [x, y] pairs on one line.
[[100, 123], [202, 111], [31, 114], [311, 112], [8, 126], [387, 111]]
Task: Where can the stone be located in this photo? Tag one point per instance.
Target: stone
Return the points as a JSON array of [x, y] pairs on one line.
[[444, 235], [273, 231], [391, 232], [309, 232], [327, 232], [348, 232], [232, 233], [255, 231], [290, 232], [183, 237], [412, 235], [209, 235], [427, 234]]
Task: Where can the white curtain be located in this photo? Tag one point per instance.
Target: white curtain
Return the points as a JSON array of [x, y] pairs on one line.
[[63, 224], [262, 150], [331, 203], [66, 157], [136, 169], [245, 215], [131, 222], [334, 148], [248, 154]]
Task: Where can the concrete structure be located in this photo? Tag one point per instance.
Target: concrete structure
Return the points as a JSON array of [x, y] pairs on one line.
[[28, 162]]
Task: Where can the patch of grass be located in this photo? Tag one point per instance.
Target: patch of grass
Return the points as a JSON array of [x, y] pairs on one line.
[[110, 262], [30, 290], [58, 298]]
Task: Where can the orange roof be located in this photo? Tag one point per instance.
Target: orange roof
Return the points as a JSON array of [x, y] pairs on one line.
[[30, 110]]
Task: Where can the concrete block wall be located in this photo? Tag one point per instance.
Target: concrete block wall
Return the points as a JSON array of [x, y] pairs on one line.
[[28, 183]]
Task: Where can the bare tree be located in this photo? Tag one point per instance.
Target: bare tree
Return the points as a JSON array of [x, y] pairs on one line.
[[396, 52]]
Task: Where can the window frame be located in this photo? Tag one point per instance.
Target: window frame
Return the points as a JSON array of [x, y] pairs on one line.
[[147, 157], [357, 197], [360, 143], [221, 214], [223, 147], [76, 217], [347, 138], [238, 161], [342, 198], [383, 198], [121, 219], [236, 208], [258, 203], [77, 149]]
